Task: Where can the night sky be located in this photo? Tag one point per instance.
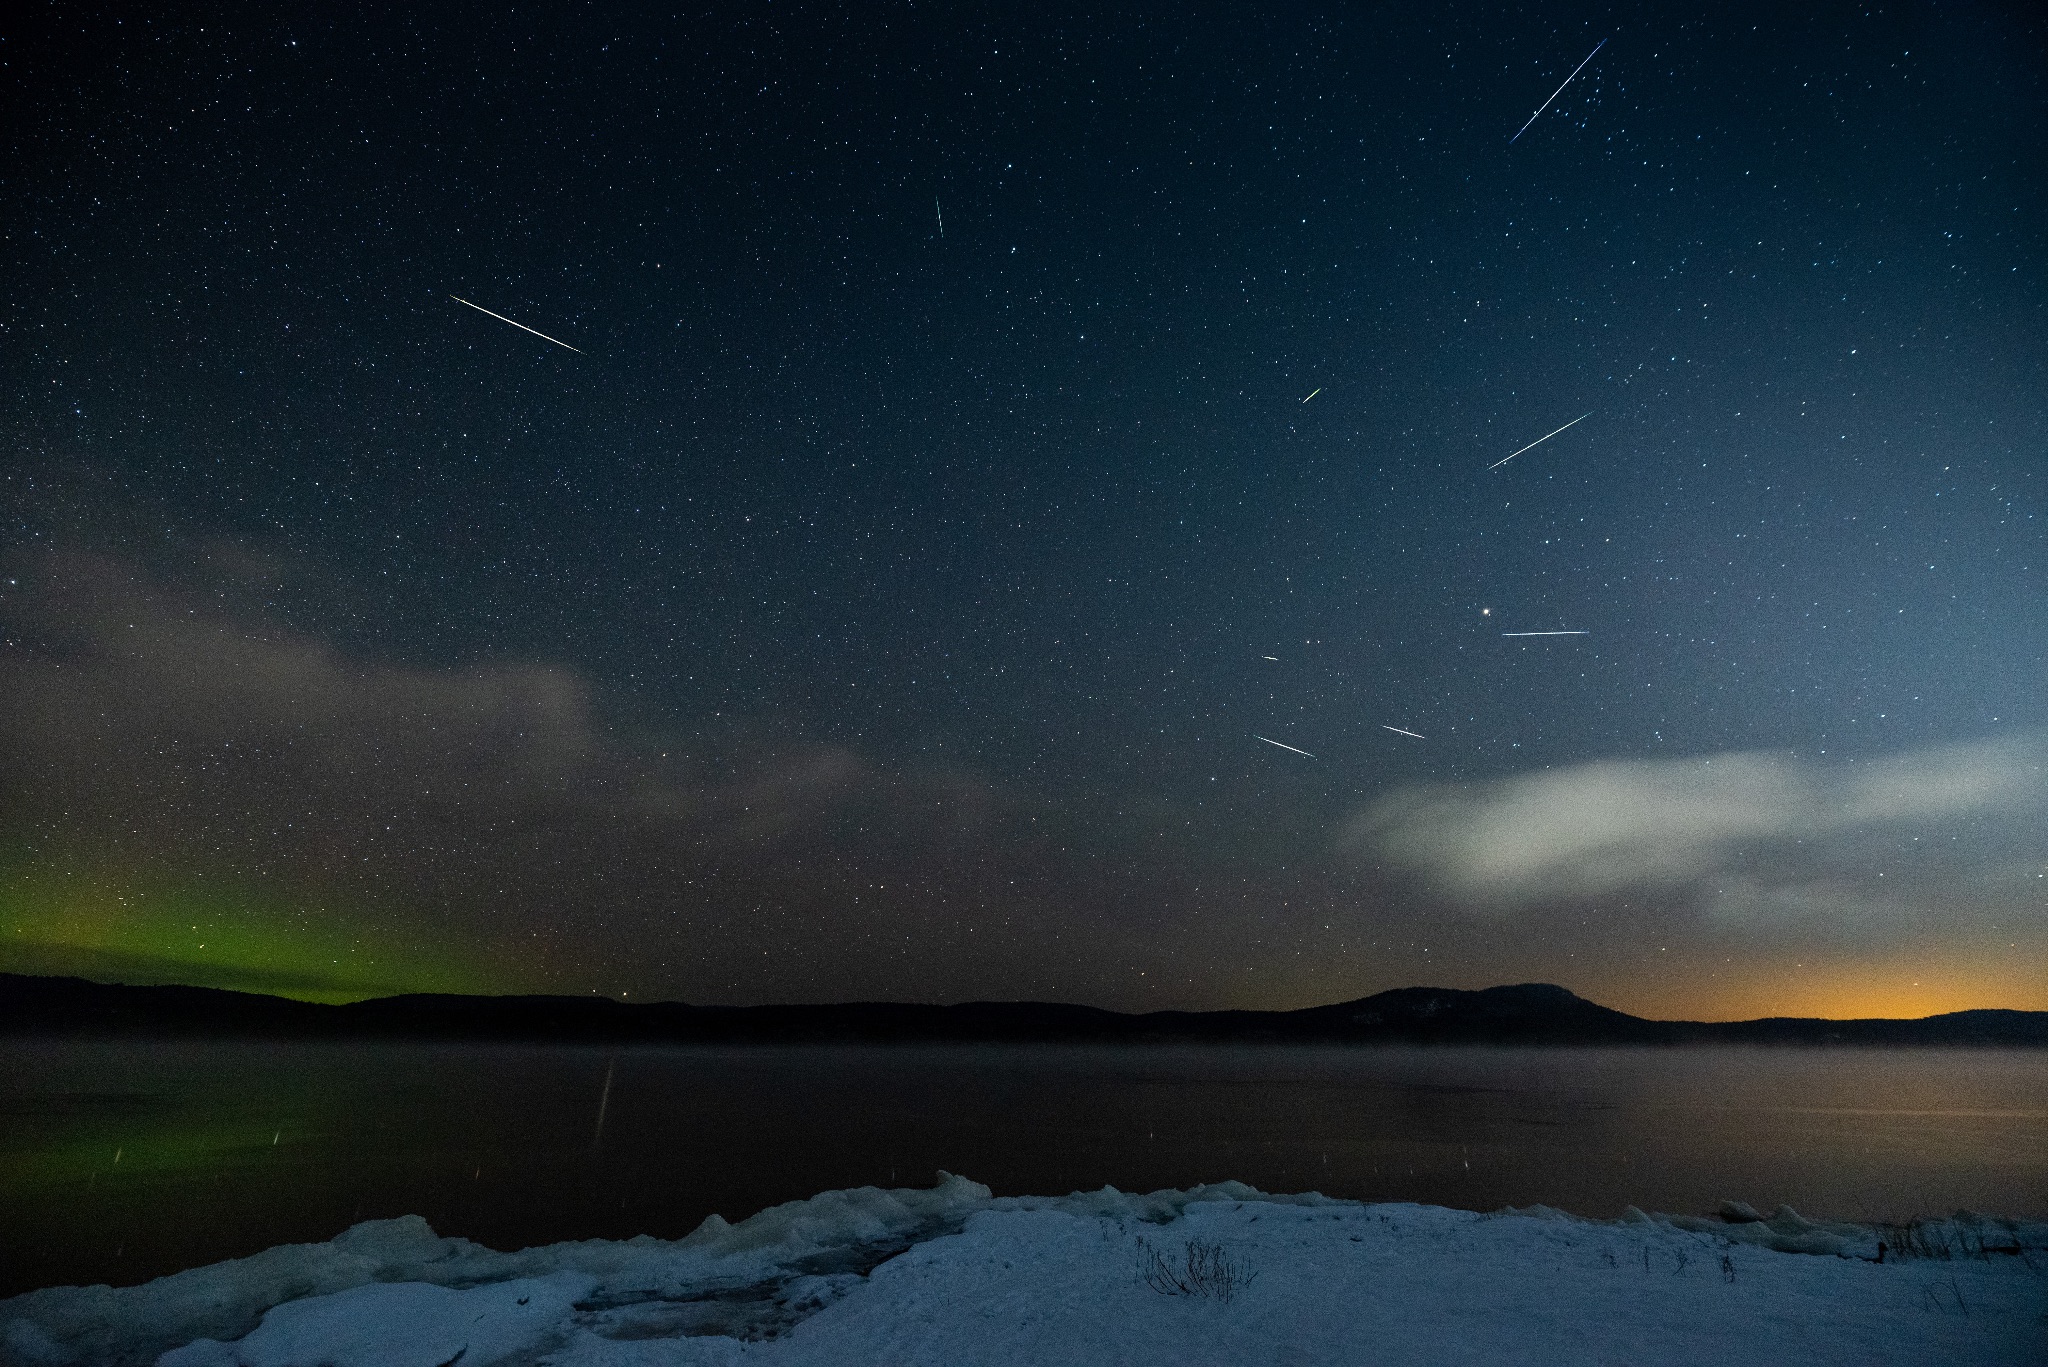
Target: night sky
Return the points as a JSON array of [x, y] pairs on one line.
[[983, 425]]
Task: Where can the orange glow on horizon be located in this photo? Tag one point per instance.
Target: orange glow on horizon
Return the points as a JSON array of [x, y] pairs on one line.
[[1901, 987]]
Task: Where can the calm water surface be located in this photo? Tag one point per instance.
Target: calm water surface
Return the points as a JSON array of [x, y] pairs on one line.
[[123, 1161]]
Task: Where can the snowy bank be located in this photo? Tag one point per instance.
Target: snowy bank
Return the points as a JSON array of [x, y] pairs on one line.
[[1219, 1274]]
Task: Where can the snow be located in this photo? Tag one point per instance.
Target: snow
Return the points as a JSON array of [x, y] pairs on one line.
[[403, 1324], [1218, 1274]]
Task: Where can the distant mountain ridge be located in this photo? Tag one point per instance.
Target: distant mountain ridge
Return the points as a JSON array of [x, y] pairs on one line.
[[1526, 1013]]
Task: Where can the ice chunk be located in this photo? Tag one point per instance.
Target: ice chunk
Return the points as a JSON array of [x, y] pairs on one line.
[[836, 1219], [403, 1324], [128, 1326], [408, 1239], [25, 1343], [952, 1275]]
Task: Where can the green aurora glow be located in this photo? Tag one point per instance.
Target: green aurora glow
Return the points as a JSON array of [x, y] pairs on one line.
[[212, 933]]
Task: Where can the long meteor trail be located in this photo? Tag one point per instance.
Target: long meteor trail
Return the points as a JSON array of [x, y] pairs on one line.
[[1399, 732], [1538, 442], [1559, 91], [1544, 633], [1270, 741], [521, 326]]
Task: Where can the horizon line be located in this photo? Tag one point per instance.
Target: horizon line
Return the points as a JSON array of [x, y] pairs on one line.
[[625, 1001]]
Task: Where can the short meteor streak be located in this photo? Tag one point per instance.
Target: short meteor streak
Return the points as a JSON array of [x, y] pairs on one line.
[[1544, 633], [521, 326], [1559, 91], [1399, 732], [1270, 741], [1275, 659], [1538, 442], [1317, 390]]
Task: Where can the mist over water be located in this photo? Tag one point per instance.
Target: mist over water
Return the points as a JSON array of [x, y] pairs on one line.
[[120, 1161]]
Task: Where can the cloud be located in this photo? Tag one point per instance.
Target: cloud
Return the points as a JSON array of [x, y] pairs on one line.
[[121, 684], [169, 740], [161, 734], [1745, 835]]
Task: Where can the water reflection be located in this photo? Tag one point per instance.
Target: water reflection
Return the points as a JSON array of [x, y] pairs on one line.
[[123, 1161]]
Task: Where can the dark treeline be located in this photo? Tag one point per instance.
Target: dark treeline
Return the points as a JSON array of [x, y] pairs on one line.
[[1529, 1013]]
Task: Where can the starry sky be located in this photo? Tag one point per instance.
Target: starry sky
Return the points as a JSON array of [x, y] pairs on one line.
[[1007, 502]]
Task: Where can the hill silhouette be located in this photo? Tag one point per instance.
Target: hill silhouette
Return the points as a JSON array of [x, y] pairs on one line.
[[1525, 1013]]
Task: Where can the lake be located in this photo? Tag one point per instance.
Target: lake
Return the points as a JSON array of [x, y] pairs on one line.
[[124, 1160]]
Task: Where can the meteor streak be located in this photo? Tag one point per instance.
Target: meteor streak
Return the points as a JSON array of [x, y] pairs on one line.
[[1399, 732], [1543, 633], [1559, 91], [1270, 741], [1317, 390], [1538, 442], [521, 326]]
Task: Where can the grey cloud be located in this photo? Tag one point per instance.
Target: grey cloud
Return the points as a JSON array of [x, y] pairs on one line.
[[1747, 835], [157, 727], [120, 683]]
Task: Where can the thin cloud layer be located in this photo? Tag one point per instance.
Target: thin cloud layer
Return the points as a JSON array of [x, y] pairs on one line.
[[1749, 834], [181, 740], [121, 685], [151, 729]]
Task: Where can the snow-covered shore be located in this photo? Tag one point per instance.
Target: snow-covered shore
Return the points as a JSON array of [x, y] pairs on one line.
[[1220, 1274]]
